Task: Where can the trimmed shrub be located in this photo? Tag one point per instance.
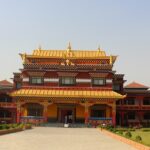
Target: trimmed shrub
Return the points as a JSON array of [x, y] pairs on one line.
[[120, 132], [128, 134], [114, 130], [21, 126], [145, 130], [138, 138], [28, 126]]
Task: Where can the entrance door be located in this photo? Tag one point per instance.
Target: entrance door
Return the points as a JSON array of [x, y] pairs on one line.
[[66, 116]]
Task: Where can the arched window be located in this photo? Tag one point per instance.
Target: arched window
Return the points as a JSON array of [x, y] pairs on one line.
[[34, 109]]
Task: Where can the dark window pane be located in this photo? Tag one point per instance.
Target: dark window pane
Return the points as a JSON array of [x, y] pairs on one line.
[[131, 115], [67, 80], [147, 116], [146, 101], [98, 81], [36, 80]]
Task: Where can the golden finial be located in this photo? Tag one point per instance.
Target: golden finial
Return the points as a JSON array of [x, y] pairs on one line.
[[67, 62], [40, 47], [99, 48], [69, 47]]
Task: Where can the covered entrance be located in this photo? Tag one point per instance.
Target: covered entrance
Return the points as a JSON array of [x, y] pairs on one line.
[[66, 113]]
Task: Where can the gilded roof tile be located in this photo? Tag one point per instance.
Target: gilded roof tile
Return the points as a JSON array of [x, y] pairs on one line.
[[66, 93]]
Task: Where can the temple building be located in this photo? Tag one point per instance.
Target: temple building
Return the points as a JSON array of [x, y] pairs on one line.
[[76, 86], [67, 85]]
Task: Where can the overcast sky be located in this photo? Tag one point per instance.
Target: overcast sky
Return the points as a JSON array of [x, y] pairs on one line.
[[120, 27]]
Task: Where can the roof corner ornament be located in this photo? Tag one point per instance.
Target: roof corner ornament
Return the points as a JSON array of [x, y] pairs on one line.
[[111, 60], [24, 58]]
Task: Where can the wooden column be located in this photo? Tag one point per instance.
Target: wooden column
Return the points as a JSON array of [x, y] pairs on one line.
[[86, 113], [114, 114], [122, 118], [45, 112], [18, 112]]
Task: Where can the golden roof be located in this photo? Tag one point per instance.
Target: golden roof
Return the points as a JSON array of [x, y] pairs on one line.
[[69, 54], [66, 93], [77, 54]]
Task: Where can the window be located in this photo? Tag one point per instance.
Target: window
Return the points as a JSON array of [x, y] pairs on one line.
[[18, 85], [36, 80], [146, 101], [131, 115], [67, 81], [116, 87], [97, 113], [34, 110], [129, 101], [98, 81], [118, 102], [5, 98], [147, 116]]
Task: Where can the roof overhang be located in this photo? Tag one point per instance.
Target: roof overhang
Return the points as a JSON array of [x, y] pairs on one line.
[[67, 93]]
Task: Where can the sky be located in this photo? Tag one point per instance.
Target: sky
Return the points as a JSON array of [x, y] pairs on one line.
[[120, 27]]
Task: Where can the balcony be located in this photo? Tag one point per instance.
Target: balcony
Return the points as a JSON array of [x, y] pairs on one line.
[[7, 105], [128, 106]]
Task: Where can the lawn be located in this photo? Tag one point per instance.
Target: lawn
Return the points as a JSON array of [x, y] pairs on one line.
[[144, 135]]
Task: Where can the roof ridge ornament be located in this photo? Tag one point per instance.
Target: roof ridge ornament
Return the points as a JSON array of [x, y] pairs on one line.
[[69, 47], [111, 60], [99, 48], [40, 48]]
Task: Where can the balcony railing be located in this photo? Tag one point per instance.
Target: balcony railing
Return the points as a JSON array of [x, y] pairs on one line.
[[95, 121], [32, 119], [7, 105]]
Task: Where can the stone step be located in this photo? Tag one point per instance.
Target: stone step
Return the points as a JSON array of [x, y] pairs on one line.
[[75, 125]]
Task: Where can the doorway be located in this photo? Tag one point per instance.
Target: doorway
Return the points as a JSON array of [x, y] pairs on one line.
[[66, 116], [66, 113]]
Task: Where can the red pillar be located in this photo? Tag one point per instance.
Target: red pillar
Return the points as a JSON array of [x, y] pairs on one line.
[[18, 116], [45, 113], [114, 114], [114, 118], [86, 114], [18, 113], [122, 118]]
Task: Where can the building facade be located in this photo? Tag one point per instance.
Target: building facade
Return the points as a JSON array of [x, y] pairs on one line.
[[76, 86], [7, 107], [66, 86], [135, 108]]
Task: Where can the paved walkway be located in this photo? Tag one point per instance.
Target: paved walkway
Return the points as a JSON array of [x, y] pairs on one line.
[[46, 138]]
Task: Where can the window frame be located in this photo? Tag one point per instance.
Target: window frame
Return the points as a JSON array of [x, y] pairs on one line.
[[130, 114], [61, 83], [97, 78], [36, 83], [146, 101]]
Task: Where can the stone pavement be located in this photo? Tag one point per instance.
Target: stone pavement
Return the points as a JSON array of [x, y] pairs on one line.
[[46, 138]]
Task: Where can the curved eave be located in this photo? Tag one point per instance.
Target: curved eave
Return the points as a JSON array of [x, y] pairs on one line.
[[67, 93], [60, 57]]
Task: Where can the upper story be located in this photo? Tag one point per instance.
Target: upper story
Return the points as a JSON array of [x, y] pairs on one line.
[[137, 96], [5, 99], [68, 68]]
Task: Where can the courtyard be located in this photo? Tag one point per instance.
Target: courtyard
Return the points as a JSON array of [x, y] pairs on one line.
[[50, 138]]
